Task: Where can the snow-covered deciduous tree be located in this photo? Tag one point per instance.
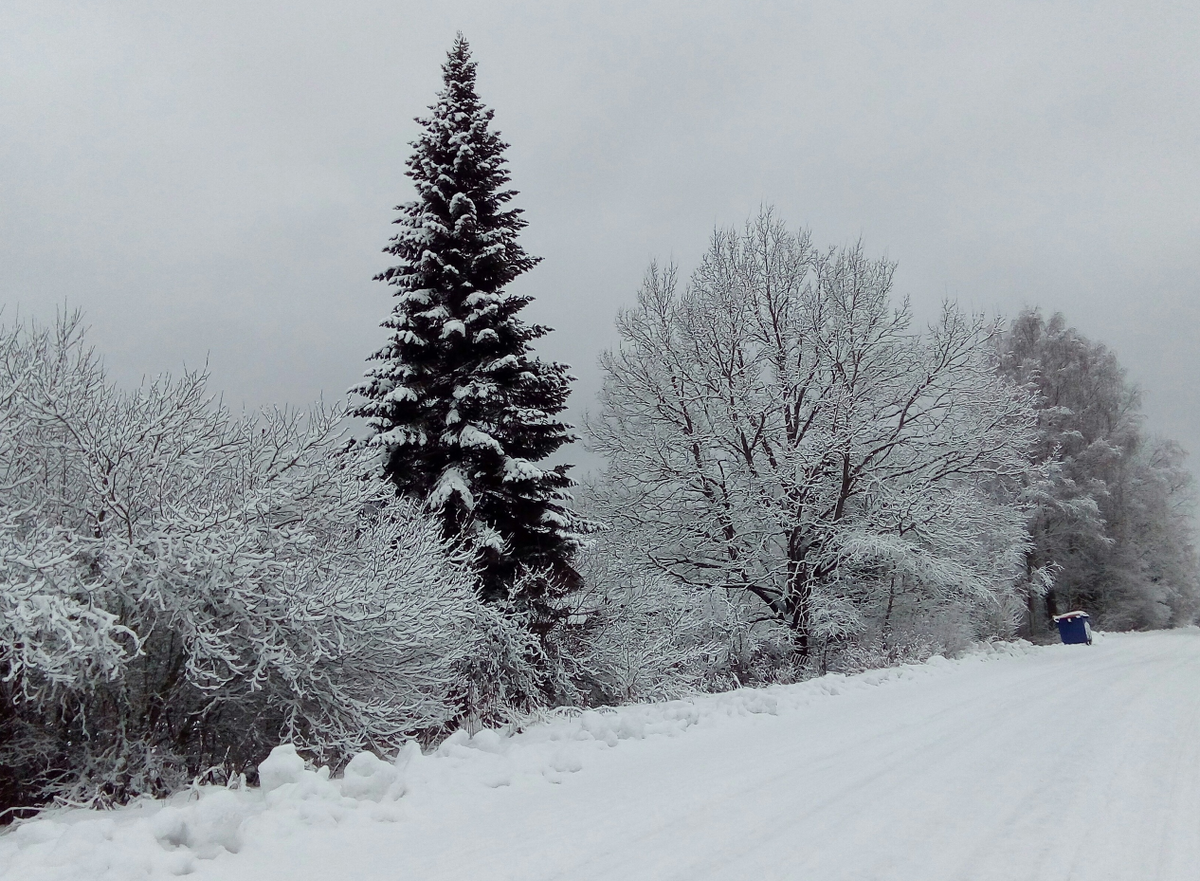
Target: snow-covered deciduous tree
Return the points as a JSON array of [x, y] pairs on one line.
[[462, 411], [1154, 542], [778, 428], [1112, 519], [182, 588]]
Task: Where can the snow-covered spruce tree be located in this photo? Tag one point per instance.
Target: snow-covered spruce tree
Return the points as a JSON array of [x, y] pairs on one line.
[[460, 408]]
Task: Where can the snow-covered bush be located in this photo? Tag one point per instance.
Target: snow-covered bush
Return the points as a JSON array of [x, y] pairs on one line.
[[633, 634], [181, 587], [506, 673]]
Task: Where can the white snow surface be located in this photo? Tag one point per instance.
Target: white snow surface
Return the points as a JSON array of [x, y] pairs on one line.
[[1063, 762]]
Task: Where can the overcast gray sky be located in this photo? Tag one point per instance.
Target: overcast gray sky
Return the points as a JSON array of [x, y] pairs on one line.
[[216, 180]]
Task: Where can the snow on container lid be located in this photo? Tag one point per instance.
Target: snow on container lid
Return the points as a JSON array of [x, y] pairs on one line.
[[1070, 615]]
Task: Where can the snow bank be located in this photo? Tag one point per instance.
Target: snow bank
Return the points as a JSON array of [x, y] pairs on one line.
[[163, 838], [175, 836]]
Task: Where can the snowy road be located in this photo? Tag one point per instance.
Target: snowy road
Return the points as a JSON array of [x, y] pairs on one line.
[[1059, 763]]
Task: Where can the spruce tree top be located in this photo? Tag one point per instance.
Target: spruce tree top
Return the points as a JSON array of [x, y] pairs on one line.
[[460, 406], [459, 171]]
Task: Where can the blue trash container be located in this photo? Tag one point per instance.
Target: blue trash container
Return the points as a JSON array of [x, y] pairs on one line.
[[1074, 628]]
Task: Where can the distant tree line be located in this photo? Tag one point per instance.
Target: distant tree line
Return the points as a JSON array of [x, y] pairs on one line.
[[798, 479], [1111, 515]]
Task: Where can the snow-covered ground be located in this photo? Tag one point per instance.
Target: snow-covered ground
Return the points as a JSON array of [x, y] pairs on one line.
[[1012, 763]]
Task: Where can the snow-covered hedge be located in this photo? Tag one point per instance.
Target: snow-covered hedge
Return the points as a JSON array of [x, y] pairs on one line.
[[180, 587]]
